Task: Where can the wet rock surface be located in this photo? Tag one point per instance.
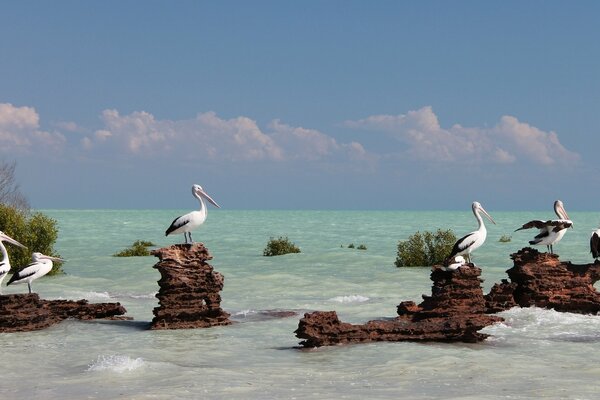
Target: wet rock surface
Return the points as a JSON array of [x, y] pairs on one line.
[[189, 294], [454, 312], [27, 312], [542, 280]]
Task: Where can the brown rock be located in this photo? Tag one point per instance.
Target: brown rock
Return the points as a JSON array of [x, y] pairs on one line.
[[541, 280], [189, 289], [455, 311], [27, 312]]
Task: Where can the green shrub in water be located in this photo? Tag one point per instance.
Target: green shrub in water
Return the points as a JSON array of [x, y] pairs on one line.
[[35, 230], [425, 249], [280, 246], [505, 238], [139, 248]]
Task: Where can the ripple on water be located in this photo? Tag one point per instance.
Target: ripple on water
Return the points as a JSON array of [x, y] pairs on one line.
[[115, 363]]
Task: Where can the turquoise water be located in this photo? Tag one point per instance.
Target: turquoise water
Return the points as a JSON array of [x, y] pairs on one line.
[[535, 353]]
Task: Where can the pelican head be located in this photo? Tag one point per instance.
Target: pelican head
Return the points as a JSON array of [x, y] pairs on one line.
[[477, 207], [36, 256], [559, 209], [198, 191], [5, 238]]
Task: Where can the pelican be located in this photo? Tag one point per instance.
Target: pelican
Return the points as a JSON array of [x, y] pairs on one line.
[[190, 221], [465, 245], [595, 243], [552, 230], [40, 266], [5, 263], [458, 261]]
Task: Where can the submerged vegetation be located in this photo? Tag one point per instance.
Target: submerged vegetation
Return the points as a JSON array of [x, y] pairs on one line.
[[280, 246], [425, 249], [139, 248], [35, 230], [359, 247], [505, 238]]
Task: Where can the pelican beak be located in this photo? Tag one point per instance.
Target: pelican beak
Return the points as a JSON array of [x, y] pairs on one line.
[[207, 197], [53, 258], [5, 238], [488, 215], [563, 212]]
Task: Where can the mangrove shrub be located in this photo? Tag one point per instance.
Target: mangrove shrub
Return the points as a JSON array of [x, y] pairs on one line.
[[139, 248], [425, 249], [35, 230], [280, 246]]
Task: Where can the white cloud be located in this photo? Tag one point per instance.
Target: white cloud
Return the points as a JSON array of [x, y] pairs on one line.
[[19, 131], [509, 141], [210, 137]]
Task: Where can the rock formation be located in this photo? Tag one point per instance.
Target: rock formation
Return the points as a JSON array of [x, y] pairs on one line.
[[189, 289], [27, 312], [541, 280], [454, 312]]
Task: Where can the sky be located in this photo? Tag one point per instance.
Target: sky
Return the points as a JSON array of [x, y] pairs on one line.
[[399, 105]]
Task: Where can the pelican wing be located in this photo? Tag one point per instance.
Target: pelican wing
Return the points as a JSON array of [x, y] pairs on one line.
[[24, 273], [559, 225], [176, 224], [539, 224], [462, 244]]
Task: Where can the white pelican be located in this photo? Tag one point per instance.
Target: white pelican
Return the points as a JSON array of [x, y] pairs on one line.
[[465, 245], [595, 243], [458, 261], [190, 221], [40, 266], [5, 263], [552, 230]]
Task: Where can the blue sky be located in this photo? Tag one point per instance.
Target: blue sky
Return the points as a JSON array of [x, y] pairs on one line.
[[312, 104]]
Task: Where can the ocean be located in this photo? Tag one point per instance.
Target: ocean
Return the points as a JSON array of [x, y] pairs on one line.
[[535, 353]]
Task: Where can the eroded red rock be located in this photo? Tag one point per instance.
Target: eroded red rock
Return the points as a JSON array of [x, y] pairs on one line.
[[542, 280], [27, 312], [189, 294], [454, 312]]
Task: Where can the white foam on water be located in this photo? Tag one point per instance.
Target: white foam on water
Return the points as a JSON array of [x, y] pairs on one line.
[[115, 363], [356, 298]]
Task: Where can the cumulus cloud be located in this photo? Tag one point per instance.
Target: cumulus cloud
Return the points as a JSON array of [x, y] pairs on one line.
[[19, 131], [211, 137], [509, 141]]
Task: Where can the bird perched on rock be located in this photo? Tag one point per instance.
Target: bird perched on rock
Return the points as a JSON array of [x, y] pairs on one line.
[[595, 243], [190, 221], [552, 230], [5, 263], [465, 245], [40, 266]]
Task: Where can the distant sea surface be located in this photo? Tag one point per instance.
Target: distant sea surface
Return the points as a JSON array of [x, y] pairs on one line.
[[535, 354]]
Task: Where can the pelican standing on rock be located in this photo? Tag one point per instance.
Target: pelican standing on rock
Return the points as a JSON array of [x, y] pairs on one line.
[[5, 263], [552, 230], [190, 221], [595, 243], [40, 266], [465, 245]]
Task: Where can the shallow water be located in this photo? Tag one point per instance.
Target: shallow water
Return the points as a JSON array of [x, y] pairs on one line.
[[535, 354]]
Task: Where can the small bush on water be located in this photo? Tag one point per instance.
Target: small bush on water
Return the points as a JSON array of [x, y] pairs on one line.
[[139, 248], [505, 238], [361, 247], [426, 249], [280, 246], [35, 230]]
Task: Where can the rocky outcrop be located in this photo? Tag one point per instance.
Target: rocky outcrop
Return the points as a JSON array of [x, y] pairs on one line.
[[189, 294], [542, 280], [454, 312], [27, 312]]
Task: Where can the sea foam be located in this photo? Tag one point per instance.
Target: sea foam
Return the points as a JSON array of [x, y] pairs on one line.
[[115, 363], [350, 299]]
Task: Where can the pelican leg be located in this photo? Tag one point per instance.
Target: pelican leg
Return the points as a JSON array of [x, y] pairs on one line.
[[191, 240], [29, 286]]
